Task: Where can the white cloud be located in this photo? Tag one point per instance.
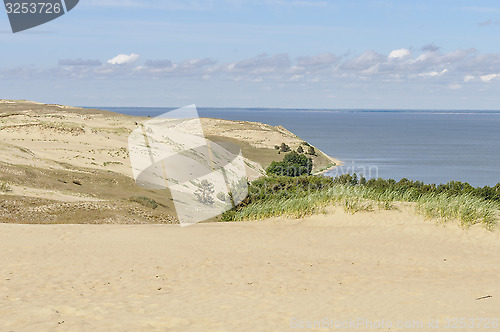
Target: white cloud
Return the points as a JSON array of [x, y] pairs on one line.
[[364, 62], [468, 78], [488, 78], [433, 66], [429, 74], [400, 53], [122, 59], [425, 56], [433, 73]]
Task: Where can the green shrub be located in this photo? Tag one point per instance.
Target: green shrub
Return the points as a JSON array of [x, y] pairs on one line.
[[145, 201]]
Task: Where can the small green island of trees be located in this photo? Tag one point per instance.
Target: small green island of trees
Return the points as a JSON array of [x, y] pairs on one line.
[[294, 164]]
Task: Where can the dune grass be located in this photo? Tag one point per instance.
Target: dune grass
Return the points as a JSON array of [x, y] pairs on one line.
[[466, 208], [145, 201], [301, 204], [4, 187]]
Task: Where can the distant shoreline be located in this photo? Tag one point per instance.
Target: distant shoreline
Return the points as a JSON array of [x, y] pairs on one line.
[[129, 110], [338, 163]]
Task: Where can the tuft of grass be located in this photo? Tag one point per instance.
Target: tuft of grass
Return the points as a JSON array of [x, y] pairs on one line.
[[353, 205], [145, 201], [385, 205], [4, 187], [107, 163]]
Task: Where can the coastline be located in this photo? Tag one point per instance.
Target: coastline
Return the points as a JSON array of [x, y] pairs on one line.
[[337, 162]]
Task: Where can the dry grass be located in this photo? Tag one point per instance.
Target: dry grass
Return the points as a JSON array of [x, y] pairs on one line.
[[113, 188]]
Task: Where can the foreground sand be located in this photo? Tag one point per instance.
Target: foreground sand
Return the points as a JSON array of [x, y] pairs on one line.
[[256, 276]]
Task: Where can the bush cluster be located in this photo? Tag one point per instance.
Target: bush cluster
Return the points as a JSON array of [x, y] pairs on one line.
[[419, 188], [145, 201], [293, 165]]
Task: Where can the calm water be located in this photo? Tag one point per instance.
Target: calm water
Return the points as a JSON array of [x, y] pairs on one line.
[[431, 146]]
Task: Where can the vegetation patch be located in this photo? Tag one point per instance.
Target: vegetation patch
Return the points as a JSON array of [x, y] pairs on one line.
[[145, 201], [4, 187], [107, 163], [306, 195], [293, 165]]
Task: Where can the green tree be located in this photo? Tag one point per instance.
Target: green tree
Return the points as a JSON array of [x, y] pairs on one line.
[[293, 164]]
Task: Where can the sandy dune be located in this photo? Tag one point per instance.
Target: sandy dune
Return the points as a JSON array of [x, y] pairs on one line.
[[55, 158], [44, 136], [257, 276]]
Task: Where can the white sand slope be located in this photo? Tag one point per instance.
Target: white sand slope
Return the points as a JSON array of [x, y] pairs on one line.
[[257, 276]]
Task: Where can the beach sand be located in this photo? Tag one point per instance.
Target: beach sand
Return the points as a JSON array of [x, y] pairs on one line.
[[270, 275]]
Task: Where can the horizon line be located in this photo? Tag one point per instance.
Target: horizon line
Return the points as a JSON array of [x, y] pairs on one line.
[[306, 109]]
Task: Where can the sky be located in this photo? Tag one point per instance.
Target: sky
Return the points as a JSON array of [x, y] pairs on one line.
[[404, 54]]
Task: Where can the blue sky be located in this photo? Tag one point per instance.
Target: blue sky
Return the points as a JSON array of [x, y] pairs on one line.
[[440, 54]]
